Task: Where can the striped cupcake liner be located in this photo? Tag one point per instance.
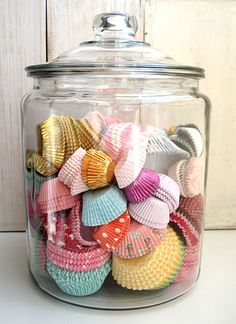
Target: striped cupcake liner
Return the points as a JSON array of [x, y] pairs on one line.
[[76, 283]]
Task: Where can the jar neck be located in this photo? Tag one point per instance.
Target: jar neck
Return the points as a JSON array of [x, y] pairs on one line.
[[116, 85]]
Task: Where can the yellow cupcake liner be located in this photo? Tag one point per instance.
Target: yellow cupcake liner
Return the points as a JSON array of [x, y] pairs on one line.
[[53, 140], [154, 270], [97, 169], [87, 135]]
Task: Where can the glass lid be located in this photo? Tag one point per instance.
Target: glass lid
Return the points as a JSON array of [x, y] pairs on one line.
[[114, 51]]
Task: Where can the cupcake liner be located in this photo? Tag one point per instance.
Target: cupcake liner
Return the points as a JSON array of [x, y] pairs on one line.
[[189, 138], [169, 192], [29, 159], [130, 166], [40, 257], [151, 212], [139, 240], [97, 169], [162, 153], [190, 262], [43, 166], [55, 196], [79, 283], [85, 259], [53, 140], [151, 131], [76, 229], [35, 217], [97, 121], [72, 167], [192, 209], [152, 270], [143, 186], [110, 235], [72, 142], [189, 176], [89, 138], [188, 230], [115, 140], [102, 206]]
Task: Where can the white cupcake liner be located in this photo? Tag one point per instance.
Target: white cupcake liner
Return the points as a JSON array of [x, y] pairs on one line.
[[169, 192], [151, 212]]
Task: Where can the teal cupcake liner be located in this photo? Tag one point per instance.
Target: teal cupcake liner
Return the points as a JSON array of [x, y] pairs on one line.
[[40, 241], [79, 283], [102, 206]]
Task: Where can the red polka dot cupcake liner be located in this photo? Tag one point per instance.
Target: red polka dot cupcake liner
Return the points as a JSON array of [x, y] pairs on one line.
[[110, 235]]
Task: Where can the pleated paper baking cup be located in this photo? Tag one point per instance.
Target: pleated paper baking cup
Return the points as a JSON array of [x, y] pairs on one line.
[[72, 141], [102, 206], [189, 232], [189, 176], [130, 166], [97, 121], [190, 262], [40, 241], [89, 138], [154, 270], [55, 196], [84, 259], [115, 140], [169, 192], [144, 186], [192, 209], [139, 240], [43, 166], [53, 140], [97, 169], [79, 283], [151, 212], [76, 229], [162, 153], [189, 139], [110, 235], [72, 167]]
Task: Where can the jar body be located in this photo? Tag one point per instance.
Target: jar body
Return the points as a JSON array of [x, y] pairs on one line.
[[114, 170]]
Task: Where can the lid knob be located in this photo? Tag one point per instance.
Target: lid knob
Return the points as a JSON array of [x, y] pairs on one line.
[[115, 25]]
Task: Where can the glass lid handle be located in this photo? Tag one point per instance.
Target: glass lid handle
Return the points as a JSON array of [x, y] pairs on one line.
[[115, 25]]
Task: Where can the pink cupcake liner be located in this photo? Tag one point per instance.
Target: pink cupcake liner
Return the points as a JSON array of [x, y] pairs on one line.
[[151, 212], [143, 186], [77, 185], [72, 167], [189, 176], [139, 240], [190, 262], [169, 192], [88, 258], [188, 230], [76, 228], [130, 166], [162, 153], [55, 196], [96, 120], [192, 209]]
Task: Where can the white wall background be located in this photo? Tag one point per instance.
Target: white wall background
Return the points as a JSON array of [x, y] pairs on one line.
[[196, 32]]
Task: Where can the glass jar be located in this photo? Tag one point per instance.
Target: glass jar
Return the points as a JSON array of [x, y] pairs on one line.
[[115, 137]]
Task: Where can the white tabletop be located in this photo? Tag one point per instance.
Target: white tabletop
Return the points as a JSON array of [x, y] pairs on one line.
[[213, 300]]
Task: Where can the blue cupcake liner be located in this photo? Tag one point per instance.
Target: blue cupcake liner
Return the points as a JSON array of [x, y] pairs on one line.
[[102, 206], [79, 283]]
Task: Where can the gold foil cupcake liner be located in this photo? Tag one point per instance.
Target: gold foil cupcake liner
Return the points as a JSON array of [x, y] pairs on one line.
[[87, 135], [97, 169]]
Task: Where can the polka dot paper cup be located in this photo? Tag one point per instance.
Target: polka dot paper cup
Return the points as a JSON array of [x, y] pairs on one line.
[[110, 235]]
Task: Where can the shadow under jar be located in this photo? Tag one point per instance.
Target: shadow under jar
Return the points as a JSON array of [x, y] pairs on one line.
[[115, 138]]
